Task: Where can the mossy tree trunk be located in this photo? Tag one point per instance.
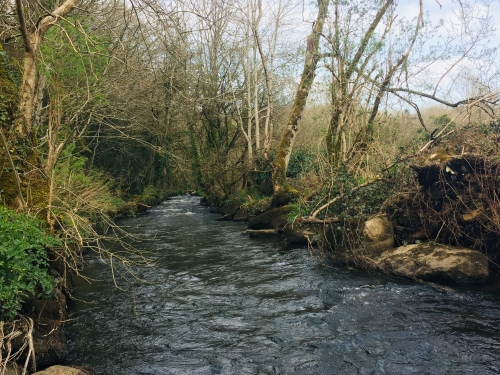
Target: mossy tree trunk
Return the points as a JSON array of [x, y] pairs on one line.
[[283, 193], [32, 43], [21, 145]]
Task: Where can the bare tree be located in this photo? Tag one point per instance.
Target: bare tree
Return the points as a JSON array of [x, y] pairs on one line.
[[282, 191]]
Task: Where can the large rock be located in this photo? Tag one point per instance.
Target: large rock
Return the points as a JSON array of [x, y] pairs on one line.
[[435, 262], [275, 218], [61, 370], [227, 209], [241, 215], [296, 234], [378, 235]]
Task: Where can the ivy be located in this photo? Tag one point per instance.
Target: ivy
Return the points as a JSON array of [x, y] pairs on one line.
[[23, 260]]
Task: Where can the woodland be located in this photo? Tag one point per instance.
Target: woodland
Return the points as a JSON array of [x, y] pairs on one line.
[[331, 108]]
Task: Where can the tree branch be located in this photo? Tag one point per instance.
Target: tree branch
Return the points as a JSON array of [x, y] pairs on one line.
[[22, 27], [448, 104], [313, 217], [366, 38]]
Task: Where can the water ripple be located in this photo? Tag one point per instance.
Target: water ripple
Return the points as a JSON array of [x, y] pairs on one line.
[[221, 303]]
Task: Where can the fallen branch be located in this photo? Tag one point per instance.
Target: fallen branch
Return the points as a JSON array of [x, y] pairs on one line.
[[313, 218], [260, 232]]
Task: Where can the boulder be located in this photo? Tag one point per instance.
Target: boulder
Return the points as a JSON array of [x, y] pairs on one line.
[[241, 215], [227, 209], [378, 235], [275, 218], [61, 370], [297, 233], [435, 262]]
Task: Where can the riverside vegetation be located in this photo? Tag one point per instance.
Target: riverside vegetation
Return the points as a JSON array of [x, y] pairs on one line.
[[107, 108]]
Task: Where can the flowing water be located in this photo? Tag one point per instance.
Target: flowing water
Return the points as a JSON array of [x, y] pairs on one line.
[[218, 302]]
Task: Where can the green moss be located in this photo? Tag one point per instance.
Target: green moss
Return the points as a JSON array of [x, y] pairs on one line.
[[9, 74], [284, 196]]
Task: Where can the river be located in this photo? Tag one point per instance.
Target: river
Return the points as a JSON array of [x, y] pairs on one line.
[[218, 302]]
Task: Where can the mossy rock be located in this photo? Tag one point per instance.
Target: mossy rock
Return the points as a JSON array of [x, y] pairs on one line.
[[284, 196], [243, 214], [226, 209], [435, 262], [275, 218]]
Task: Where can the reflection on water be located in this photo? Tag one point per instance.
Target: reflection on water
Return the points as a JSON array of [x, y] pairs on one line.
[[221, 303]]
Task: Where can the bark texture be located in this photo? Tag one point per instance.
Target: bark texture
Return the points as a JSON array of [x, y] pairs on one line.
[[283, 193]]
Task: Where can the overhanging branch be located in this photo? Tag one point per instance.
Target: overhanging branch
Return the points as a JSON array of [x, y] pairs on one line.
[[481, 99]]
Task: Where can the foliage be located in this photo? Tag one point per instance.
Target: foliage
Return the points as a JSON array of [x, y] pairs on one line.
[[301, 160], [9, 82], [352, 201], [23, 260], [95, 195], [244, 196], [74, 67]]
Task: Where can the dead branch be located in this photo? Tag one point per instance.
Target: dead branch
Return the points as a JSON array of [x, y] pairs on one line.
[[474, 100], [313, 218]]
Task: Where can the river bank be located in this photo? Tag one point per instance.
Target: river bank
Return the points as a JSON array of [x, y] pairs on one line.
[[369, 245], [38, 332], [174, 229]]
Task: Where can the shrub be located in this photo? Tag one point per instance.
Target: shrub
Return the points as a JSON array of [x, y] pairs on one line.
[[23, 260]]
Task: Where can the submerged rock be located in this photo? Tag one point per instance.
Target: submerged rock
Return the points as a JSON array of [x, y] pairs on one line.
[[435, 262]]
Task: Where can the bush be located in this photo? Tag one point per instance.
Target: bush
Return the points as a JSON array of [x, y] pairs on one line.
[[301, 161], [23, 260]]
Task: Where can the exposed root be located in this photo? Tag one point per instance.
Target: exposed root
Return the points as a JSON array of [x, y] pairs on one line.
[[22, 327]]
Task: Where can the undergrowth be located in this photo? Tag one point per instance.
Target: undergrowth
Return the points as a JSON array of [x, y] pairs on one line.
[[23, 261]]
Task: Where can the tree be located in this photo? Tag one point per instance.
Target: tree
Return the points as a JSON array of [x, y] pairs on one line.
[[26, 173], [282, 191], [372, 68], [33, 38]]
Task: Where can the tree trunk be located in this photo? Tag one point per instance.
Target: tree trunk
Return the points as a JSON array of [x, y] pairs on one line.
[[32, 180], [32, 43], [283, 193]]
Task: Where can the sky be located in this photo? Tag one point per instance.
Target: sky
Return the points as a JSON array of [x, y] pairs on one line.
[[452, 76]]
